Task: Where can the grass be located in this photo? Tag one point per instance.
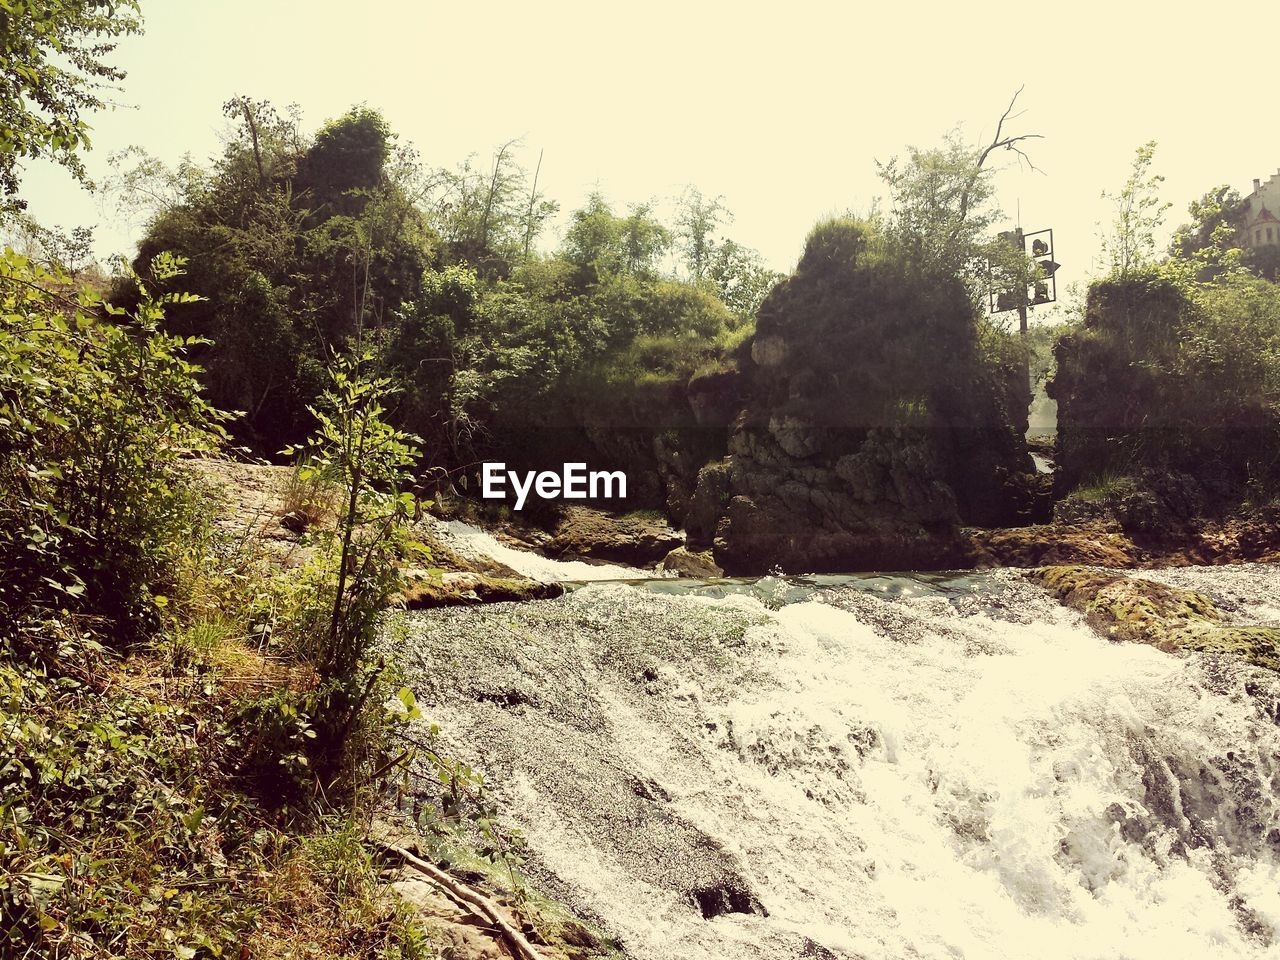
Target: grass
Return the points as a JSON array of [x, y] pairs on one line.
[[308, 500], [1101, 488], [128, 827]]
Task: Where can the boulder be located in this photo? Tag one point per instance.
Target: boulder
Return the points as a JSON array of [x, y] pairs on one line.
[[687, 563], [1132, 609], [636, 539]]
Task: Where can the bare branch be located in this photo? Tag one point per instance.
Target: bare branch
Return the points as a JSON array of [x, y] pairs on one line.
[[999, 141]]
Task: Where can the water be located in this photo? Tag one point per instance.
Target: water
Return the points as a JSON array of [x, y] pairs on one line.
[[470, 541], [878, 767]]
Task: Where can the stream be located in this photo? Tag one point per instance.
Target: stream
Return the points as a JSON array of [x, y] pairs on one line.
[[881, 766]]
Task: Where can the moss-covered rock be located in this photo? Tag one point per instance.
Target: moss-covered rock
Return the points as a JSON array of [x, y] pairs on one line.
[[880, 415], [451, 589], [1131, 609], [638, 539], [692, 563]]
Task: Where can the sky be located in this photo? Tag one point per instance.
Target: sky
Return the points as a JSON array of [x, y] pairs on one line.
[[781, 108]]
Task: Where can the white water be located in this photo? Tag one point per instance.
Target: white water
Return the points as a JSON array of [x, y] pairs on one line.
[[895, 768], [473, 542]]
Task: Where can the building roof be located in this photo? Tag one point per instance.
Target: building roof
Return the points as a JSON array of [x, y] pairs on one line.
[[1265, 216]]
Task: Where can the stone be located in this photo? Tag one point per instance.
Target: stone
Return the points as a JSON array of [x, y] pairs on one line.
[[699, 565], [637, 539]]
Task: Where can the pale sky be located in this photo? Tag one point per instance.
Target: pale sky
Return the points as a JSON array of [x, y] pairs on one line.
[[782, 108]]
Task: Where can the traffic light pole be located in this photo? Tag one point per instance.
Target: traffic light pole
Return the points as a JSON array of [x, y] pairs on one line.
[[1026, 347]]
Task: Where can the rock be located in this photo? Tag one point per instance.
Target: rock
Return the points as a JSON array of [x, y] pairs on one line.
[[753, 538], [458, 588], [716, 396], [1143, 611], [708, 503], [1097, 544], [722, 898], [637, 539], [864, 442], [296, 521], [687, 563], [769, 351], [1102, 542]]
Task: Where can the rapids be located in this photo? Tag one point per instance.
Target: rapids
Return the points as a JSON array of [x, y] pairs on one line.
[[923, 766]]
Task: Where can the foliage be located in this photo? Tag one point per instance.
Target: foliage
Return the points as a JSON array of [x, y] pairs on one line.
[[1210, 241], [696, 221], [601, 244], [1171, 374], [296, 247], [366, 461], [740, 278], [124, 830], [95, 419], [123, 835], [1130, 242], [488, 218], [943, 208], [54, 58]]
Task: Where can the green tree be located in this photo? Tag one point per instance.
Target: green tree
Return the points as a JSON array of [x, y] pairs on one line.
[[96, 419], [943, 205], [1130, 241], [367, 461], [488, 216], [601, 243], [54, 60], [697, 219], [296, 248], [740, 277]]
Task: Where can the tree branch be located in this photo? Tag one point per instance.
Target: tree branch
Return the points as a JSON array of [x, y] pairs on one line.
[[997, 142]]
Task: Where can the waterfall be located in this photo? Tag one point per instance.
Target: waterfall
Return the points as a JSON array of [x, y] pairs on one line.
[[872, 767]]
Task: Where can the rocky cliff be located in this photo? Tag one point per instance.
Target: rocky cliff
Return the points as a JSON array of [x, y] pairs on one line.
[[877, 422]]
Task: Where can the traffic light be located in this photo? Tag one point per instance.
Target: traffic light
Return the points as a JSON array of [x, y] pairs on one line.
[[1042, 289]]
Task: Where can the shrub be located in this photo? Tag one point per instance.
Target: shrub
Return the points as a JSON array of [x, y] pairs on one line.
[[357, 570], [96, 417]]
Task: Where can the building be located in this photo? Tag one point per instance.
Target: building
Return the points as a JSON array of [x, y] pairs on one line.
[[1261, 224]]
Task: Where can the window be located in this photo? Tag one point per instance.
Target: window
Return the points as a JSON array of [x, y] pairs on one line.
[[1268, 234], [1257, 237]]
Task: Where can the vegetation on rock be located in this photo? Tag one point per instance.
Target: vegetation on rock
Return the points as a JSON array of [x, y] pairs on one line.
[[883, 412], [1143, 611]]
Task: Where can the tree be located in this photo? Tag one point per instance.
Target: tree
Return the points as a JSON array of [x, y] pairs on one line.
[[740, 277], [943, 206], [367, 461], [489, 217], [696, 221], [295, 247], [601, 241], [1130, 242], [53, 57]]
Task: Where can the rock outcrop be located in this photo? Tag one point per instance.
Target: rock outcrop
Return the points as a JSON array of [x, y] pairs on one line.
[[875, 423], [1166, 409], [637, 540], [1132, 609], [688, 563]]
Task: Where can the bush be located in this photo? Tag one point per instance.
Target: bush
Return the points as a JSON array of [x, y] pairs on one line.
[[1168, 375], [96, 416], [356, 573]]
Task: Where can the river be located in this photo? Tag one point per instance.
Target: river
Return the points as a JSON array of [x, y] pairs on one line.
[[923, 766]]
